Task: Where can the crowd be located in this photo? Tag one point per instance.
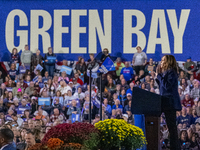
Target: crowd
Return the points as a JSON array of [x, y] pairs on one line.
[[23, 90]]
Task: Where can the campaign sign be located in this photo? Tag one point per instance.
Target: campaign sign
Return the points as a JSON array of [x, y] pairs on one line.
[[68, 70], [9, 89], [21, 110], [75, 117], [22, 69], [44, 100], [70, 103], [39, 67], [108, 65], [35, 79], [51, 59], [17, 66]]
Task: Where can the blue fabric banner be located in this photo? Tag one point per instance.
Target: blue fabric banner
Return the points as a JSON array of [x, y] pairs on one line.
[[78, 28]]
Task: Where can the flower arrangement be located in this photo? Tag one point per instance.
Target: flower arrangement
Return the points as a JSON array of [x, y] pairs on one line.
[[73, 146], [117, 133], [54, 143], [83, 133], [38, 146]]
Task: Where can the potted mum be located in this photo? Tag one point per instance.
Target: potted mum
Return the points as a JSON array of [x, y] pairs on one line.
[[76, 136], [115, 133]]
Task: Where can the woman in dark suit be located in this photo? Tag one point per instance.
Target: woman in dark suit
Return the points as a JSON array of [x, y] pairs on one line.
[[167, 79]]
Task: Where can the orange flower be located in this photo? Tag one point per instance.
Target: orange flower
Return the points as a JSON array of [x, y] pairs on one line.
[[54, 143]]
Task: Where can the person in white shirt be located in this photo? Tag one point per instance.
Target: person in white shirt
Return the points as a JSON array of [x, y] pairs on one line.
[[68, 98], [18, 120], [79, 94], [63, 88]]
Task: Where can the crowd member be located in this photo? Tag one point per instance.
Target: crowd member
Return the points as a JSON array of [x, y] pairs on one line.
[[81, 68], [118, 66], [184, 118], [29, 141], [139, 60], [26, 57], [127, 72], [73, 110], [50, 66], [7, 137], [105, 54], [189, 66], [63, 76], [69, 94], [15, 58], [187, 102], [150, 67], [36, 59]]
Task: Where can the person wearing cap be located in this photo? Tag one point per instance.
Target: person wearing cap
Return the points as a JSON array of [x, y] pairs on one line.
[[19, 94], [129, 98], [189, 66]]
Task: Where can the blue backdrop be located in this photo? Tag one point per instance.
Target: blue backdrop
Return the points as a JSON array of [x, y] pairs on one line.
[[72, 27]]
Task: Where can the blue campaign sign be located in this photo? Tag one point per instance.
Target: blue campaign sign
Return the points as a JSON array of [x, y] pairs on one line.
[[75, 117], [22, 69], [35, 79], [44, 100], [9, 89], [68, 70], [21, 110], [39, 67], [51, 59], [108, 65], [77, 28]]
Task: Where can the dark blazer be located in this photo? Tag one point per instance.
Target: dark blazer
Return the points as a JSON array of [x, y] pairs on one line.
[[168, 85], [9, 147]]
